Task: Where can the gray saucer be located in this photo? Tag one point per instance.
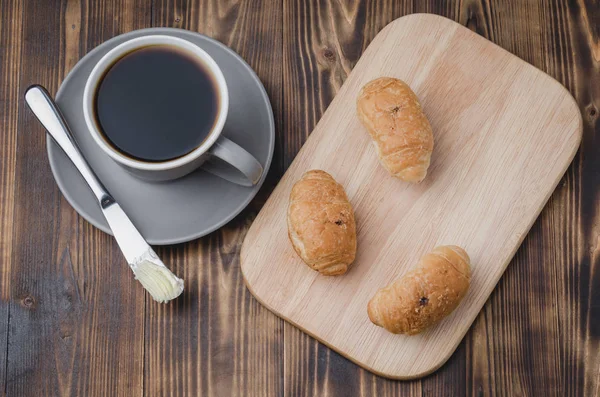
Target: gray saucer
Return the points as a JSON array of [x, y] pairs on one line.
[[184, 209]]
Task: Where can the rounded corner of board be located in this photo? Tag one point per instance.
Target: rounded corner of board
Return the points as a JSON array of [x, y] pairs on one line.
[[576, 125], [243, 259], [248, 284]]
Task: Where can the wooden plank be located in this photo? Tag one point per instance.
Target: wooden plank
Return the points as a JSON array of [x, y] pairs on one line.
[[10, 63], [323, 40], [76, 312], [537, 331], [216, 339], [581, 335]]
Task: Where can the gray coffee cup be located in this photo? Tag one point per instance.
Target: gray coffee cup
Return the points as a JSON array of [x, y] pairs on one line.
[[214, 146]]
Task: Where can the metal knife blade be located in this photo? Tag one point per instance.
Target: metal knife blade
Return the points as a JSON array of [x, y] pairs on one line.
[[130, 240]]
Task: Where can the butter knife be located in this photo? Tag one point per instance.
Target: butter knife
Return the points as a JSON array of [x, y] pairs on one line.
[[147, 267]]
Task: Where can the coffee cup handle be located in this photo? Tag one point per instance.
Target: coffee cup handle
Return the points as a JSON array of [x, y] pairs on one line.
[[236, 156]]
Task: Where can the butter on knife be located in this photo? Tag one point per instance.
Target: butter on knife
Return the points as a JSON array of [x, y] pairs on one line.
[[157, 279]]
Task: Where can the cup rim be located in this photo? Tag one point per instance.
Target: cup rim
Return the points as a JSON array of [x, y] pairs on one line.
[[131, 45]]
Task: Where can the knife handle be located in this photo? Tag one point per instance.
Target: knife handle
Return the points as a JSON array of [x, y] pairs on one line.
[[43, 106]]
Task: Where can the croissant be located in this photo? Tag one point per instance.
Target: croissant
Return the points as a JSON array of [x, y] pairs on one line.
[[401, 133], [321, 223], [425, 295]]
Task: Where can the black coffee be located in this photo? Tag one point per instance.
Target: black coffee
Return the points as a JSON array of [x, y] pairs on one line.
[[156, 103]]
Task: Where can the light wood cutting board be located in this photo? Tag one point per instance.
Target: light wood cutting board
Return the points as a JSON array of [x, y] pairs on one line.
[[504, 133]]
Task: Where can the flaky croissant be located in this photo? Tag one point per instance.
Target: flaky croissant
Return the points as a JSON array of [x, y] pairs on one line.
[[424, 295], [321, 223], [401, 133]]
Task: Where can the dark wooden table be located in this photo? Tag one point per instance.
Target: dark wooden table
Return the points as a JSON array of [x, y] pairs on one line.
[[74, 322]]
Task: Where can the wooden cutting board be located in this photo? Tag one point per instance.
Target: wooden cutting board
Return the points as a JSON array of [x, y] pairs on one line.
[[504, 133]]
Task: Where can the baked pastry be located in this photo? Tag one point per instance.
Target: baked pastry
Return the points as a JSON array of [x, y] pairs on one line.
[[425, 295], [401, 133], [321, 223]]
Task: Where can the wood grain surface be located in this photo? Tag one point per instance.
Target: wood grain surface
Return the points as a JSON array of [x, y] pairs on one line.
[[73, 322], [504, 135]]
